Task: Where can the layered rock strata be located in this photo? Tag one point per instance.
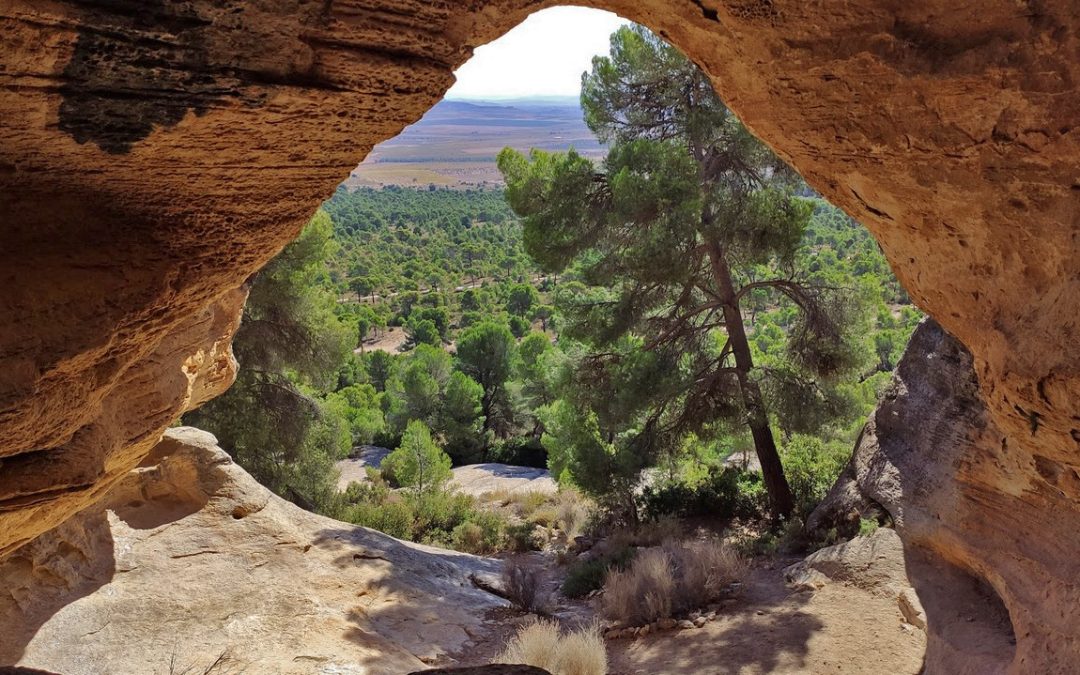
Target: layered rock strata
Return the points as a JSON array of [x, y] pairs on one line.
[[188, 561], [153, 155]]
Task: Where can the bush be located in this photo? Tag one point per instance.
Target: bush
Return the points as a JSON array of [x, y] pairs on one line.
[[542, 645], [868, 526], [374, 505], [519, 451], [571, 512], [812, 466], [524, 586], [435, 516], [481, 534], [704, 570], [725, 493], [643, 593], [647, 534], [669, 580], [522, 537], [588, 576]]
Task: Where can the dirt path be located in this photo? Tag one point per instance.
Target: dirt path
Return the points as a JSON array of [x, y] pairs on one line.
[[390, 340], [770, 629]]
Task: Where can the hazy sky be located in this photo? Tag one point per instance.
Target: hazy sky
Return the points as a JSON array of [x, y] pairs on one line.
[[544, 56]]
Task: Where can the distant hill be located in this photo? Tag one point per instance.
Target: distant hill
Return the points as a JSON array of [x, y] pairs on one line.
[[456, 142]]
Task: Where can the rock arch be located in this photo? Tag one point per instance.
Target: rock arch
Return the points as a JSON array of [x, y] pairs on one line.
[[154, 154]]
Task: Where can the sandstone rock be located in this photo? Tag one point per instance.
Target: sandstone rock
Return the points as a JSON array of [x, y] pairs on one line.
[[686, 624], [478, 479], [933, 458], [151, 161], [700, 621], [802, 578], [874, 563], [188, 558], [911, 608], [496, 669], [666, 624], [354, 468]]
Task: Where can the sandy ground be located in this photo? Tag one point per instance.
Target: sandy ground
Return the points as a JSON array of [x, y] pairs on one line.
[[837, 629], [390, 340], [769, 628], [354, 469]]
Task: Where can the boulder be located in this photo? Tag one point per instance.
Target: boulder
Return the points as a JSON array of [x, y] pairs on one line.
[[874, 563], [188, 560]]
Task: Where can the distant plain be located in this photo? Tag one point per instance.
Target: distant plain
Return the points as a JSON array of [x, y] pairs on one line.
[[456, 142]]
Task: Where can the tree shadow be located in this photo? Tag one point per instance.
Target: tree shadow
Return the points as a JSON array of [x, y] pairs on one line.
[[761, 632], [421, 600]]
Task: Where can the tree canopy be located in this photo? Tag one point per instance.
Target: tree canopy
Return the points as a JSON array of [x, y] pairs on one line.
[[686, 217]]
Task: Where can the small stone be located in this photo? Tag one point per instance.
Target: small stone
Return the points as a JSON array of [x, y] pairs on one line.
[[710, 616], [700, 621], [760, 612], [666, 624], [684, 624], [644, 630]]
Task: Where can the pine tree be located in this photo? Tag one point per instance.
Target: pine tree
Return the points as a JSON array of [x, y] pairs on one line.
[[688, 215]]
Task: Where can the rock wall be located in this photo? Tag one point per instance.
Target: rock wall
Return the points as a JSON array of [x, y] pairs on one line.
[[986, 548], [188, 560], [155, 154]]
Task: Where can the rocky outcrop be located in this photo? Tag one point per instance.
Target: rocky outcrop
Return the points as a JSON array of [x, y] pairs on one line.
[[188, 560], [932, 457], [155, 154], [873, 563]]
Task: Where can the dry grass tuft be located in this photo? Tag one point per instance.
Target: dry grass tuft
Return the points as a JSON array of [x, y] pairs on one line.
[[543, 645], [652, 533], [672, 579], [643, 593], [572, 510], [704, 569]]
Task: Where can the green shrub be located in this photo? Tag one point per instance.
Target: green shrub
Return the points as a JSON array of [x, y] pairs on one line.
[[812, 466], [442, 510], [436, 516], [725, 493], [585, 577], [395, 517], [484, 533], [523, 537], [468, 537]]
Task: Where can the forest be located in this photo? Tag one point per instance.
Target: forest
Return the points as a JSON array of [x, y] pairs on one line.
[[682, 329]]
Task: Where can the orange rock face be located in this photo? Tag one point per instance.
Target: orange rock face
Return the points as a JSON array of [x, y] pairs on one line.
[[154, 154]]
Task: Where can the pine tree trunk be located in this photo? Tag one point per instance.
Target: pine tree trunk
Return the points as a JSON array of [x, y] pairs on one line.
[[772, 471]]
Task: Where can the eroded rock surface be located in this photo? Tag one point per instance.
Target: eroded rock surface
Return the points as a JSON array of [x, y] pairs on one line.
[[155, 154], [985, 541], [188, 559]]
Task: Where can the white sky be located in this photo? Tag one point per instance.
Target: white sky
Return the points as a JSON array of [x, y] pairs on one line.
[[544, 56]]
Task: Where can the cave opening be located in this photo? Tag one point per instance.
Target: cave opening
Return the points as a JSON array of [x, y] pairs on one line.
[[424, 249], [132, 226]]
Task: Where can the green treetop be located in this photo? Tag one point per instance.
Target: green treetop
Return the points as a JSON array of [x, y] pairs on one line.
[[418, 462], [688, 215]]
